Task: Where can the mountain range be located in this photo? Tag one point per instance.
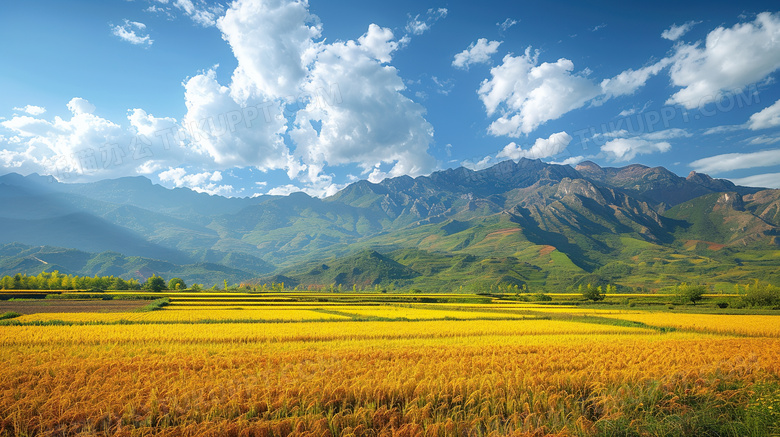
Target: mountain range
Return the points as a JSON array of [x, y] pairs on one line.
[[524, 223]]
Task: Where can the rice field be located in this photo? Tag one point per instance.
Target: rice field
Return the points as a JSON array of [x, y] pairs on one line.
[[308, 368]]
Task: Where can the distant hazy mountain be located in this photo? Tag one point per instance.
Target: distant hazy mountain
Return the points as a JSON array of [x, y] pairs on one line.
[[527, 222]]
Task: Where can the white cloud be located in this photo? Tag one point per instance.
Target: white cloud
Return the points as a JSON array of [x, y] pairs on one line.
[[273, 44], [294, 103], [77, 105], [574, 160], [737, 161], [32, 110], [633, 110], [132, 32], [666, 134], [723, 129], [415, 26], [626, 149], [767, 180], [542, 148], [763, 140], [200, 12], [675, 32], [205, 182], [88, 147], [506, 24], [233, 133], [528, 95], [766, 118], [379, 42], [371, 123], [629, 81], [285, 190], [731, 59], [418, 26], [343, 103], [477, 53]]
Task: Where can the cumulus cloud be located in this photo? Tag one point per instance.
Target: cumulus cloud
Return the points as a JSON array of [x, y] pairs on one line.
[[341, 103], [730, 59], [77, 105], [233, 133], [737, 161], [273, 42], [675, 32], [379, 42], [132, 32], [372, 123], [294, 102], [527, 95], [31, 109], [766, 118], [626, 149], [573, 160], [86, 146], [542, 148], [477, 53], [205, 182]]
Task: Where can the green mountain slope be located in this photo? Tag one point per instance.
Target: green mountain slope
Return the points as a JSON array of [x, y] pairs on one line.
[[516, 223]]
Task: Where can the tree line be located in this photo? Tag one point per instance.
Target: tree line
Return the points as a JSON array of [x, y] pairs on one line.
[[58, 281]]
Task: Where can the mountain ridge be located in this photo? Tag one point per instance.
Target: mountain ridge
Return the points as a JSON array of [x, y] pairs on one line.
[[566, 222]]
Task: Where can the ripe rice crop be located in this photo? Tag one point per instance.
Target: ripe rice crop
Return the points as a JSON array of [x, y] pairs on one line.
[[306, 331], [754, 325], [184, 316], [413, 383], [412, 313]]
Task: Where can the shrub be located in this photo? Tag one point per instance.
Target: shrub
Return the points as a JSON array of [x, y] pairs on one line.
[[155, 283], [9, 315], [541, 297], [591, 293], [176, 284], [689, 293], [761, 294]]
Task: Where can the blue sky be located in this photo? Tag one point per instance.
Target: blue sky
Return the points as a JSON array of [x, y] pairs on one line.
[[275, 96]]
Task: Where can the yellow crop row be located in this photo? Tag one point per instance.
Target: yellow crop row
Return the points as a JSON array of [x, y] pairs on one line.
[[306, 331], [412, 313], [184, 316], [755, 325]]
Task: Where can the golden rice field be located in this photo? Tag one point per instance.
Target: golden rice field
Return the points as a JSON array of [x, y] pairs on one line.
[[186, 315], [390, 370], [756, 325]]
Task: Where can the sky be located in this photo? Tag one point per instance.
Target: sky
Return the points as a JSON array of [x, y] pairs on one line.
[[257, 97]]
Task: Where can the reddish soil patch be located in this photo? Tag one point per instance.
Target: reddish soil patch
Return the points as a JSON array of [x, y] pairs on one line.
[[71, 306], [546, 250], [710, 244], [502, 232]]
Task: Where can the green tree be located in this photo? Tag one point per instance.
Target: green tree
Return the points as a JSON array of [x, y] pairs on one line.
[[176, 284], [761, 294], [591, 293], [689, 293], [154, 283]]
